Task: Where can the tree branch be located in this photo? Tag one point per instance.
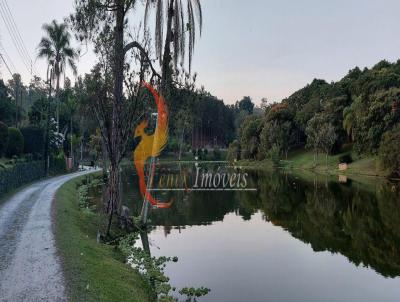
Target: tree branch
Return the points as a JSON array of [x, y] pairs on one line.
[[137, 45]]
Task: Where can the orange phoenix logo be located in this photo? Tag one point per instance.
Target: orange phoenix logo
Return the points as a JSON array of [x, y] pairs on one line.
[[150, 146]]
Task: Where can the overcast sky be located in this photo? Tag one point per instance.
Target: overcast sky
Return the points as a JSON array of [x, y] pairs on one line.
[[259, 48]]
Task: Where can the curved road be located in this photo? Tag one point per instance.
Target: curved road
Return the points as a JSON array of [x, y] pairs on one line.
[[29, 266]]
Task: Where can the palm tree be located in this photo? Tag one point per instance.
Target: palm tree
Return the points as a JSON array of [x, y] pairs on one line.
[[177, 26], [55, 47]]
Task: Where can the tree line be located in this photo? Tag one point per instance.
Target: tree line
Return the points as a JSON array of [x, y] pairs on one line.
[[359, 111]]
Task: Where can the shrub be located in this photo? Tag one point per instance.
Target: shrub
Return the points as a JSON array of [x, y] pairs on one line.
[[345, 158], [15, 144], [58, 164], [3, 138], [33, 141], [389, 151]]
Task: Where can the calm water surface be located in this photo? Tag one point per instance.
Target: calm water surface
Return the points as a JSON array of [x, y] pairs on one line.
[[292, 240]]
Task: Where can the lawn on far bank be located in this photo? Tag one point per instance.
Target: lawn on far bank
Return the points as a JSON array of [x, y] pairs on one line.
[[304, 160], [93, 271]]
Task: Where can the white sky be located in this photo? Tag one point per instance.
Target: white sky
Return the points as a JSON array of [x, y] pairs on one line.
[[261, 48]]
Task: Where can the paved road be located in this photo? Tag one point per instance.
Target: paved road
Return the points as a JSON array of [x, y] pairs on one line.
[[29, 266]]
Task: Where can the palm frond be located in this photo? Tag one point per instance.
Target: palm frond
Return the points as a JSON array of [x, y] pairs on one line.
[[192, 32], [183, 35], [146, 13], [55, 47], [159, 29], [199, 14], [177, 33], [73, 66]]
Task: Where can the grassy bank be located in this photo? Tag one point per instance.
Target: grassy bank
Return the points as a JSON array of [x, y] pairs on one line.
[[304, 160], [93, 271]]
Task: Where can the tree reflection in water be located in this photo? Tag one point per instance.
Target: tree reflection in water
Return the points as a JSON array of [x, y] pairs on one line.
[[361, 222]]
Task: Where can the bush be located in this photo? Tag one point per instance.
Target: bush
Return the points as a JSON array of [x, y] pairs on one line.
[[15, 144], [3, 138], [345, 158], [33, 141], [389, 151], [58, 164]]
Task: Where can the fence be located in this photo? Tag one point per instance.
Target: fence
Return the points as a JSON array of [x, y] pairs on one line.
[[26, 172]]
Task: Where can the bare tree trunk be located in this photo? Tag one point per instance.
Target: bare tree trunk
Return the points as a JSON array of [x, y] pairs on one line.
[[113, 194], [58, 99], [114, 138], [47, 138], [166, 72]]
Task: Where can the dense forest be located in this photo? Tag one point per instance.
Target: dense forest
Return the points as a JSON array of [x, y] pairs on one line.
[[198, 120], [360, 112]]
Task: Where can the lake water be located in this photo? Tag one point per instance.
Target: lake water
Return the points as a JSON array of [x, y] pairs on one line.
[[292, 240]]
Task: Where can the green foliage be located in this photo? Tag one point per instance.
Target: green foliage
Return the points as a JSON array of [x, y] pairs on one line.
[[38, 112], [274, 154], [152, 269], [313, 133], [249, 137], [194, 292], [84, 190], [33, 141], [389, 151], [55, 47], [328, 137], [3, 138], [233, 151], [7, 106], [360, 109], [15, 144], [94, 271], [246, 105], [95, 143], [58, 164], [277, 132]]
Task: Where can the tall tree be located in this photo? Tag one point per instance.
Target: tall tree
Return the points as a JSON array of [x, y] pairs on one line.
[[246, 104], [56, 49], [124, 62], [104, 23]]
